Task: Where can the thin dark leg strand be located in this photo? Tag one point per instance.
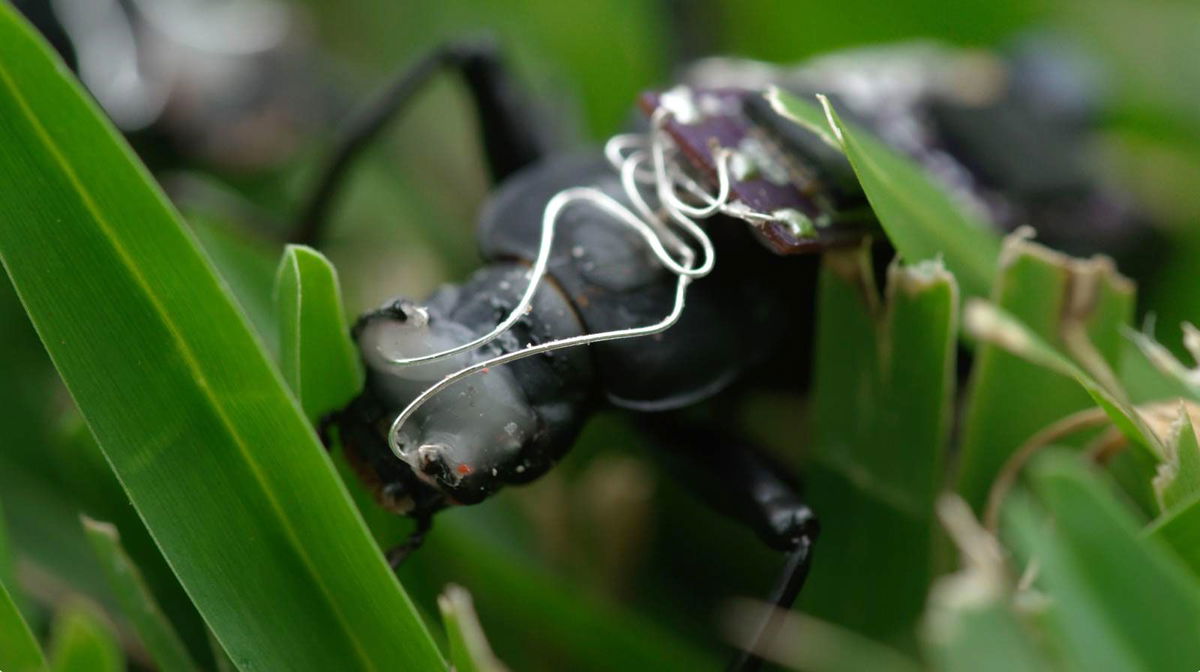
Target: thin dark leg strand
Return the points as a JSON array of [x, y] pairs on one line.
[[782, 597], [397, 554], [514, 134], [742, 482]]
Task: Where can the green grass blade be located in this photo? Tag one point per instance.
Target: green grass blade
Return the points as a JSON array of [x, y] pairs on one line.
[[469, 648], [247, 264], [1183, 377], [45, 532], [1178, 479], [1179, 529], [919, 216], [517, 599], [1177, 486], [81, 641], [6, 560], [48, 489], [207, 442], [1120, 601], [221, 661], [1009, 398], [990, 324], [19, 651], [1142, 377], [319, 361], [980, 634], [882, 390], [522, 596], [155, 631], [971, 623]]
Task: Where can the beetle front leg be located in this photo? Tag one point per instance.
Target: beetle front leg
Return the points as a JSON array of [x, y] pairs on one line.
[[744, 483], [514, 130], [397, 554], [325, 427]]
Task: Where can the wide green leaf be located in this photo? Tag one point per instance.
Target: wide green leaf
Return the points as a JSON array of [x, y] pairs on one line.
[[247, 263], [919, 216], [221, 661], [210, 447], [19, 651], [140, 607], [318, 358], [82, 641], [882, 390]]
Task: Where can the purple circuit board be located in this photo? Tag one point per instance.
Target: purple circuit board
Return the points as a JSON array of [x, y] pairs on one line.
[[764, 177]]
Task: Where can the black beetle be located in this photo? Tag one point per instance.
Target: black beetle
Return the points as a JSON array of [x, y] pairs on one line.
[[452, 427]]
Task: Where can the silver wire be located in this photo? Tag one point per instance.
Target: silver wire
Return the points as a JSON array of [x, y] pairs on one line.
[[653, 233], [628, 154], [583, 339]]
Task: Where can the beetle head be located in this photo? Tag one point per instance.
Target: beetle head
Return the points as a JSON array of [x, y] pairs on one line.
[[467, 440]]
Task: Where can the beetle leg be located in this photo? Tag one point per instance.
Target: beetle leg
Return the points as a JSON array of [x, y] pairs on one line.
[[742, 482], [325, 428], [782, 596], [514, 133], [397, 554]]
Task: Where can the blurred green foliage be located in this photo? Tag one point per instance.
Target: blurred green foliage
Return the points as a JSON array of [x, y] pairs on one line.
[[406, 225]]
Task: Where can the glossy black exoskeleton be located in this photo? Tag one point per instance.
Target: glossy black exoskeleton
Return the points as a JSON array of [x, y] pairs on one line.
[[1011, 143]]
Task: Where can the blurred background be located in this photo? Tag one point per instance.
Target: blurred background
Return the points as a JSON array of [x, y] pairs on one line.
[[231, 103]]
